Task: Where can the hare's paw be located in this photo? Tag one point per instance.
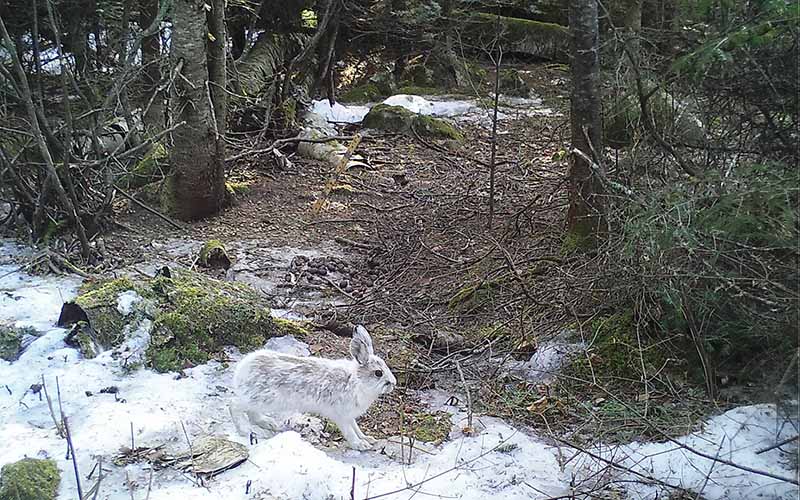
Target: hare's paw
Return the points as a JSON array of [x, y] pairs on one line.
[[360, 444]]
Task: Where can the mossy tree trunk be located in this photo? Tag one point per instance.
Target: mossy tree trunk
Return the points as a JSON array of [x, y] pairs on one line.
[[585, 215], [196, 186]]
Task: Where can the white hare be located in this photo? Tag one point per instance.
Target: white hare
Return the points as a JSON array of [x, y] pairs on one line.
[[270, 386]]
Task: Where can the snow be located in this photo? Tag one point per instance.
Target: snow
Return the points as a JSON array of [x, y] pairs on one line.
[[499, 462], [338, 112], [734, 436], [468, 110], [126, 301]]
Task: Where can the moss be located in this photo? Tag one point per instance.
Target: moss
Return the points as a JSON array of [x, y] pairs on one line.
[[213, 254], [193, 317], [167, 195], [575, 241], [238, 188], [417, 74], [343, 189], [431, 427], [199, 315], [149, 169], [369, 92], [399, 119], [99, 301], [472, 296], [615, 351], [11, 341], [289, 327], [435, 127], [29, 479], [419, 90]]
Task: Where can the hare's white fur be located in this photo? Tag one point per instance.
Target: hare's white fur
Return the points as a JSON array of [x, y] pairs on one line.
[[270, 386]]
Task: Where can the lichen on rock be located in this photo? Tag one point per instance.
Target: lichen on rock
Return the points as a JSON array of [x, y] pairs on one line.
[[29, 479]]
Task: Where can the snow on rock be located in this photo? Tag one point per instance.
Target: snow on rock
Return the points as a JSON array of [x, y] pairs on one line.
[[126, 301], [287, 344], [734, 436], [548, 359]]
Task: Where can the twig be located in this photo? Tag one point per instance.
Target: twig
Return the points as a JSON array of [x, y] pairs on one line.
[[469, 398], [59, 428], [345, 241], [74, 460], [353, 485], [778, 445]]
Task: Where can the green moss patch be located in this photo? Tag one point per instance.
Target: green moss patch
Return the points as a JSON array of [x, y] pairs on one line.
[[419, 90], [290, 327], [433, 427], [193, 315], [512, 83], [29, 479], [399, 119], [369, 92], [151, 168]]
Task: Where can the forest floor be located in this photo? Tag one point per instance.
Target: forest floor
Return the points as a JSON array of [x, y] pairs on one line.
[[475, 318]]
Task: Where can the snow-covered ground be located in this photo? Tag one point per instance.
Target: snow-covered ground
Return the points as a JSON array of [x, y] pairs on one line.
[[500, 462], [468, 110]]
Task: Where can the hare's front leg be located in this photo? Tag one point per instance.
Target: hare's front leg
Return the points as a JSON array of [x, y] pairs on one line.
[[371, 440], [239, 416], [348, 428]]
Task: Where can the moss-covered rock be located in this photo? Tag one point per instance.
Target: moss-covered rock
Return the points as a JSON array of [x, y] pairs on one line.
[[512, 83], [399, 119], [672, 118], [193, 317], [11, 341], [524, 36], [29, 479], [431, 427], [213, 255], [151, 168], [290, 327], [369, 92]]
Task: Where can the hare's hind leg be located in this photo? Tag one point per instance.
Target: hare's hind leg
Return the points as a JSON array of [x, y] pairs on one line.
[[265, 422], [239, 416]]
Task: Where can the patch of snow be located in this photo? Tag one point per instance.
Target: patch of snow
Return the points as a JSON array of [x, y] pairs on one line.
[[548, 359], [126, 301], [287, 344], [338, 112], [418, 104], [734, 436]]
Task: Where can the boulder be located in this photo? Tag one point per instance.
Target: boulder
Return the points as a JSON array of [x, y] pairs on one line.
[[398, 119]]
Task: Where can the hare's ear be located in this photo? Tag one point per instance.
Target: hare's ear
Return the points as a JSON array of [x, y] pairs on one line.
[[361, 345]]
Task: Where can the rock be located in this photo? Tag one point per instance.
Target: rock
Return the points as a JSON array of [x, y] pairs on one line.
[[512, 83], [213, 255], [398, 119], [29, 479], [193, 317], [523, 36], [673, 118], [13, 341]]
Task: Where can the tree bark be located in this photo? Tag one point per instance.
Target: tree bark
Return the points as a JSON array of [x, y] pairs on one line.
[[585, 215], [196, 186], [151, 73]]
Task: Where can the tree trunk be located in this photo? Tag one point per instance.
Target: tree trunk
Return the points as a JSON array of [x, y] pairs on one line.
[[585, 215], [196, 186], [632, 21], [151, 73]]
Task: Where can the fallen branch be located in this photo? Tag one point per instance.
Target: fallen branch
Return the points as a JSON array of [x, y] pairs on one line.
[[153, 211]]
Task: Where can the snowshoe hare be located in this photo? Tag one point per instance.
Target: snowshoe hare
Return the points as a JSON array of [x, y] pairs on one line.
[[270, 386]]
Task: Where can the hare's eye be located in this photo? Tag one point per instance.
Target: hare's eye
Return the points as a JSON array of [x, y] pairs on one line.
[[378, 373]]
